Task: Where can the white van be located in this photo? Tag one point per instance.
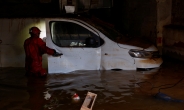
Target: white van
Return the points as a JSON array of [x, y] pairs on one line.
[[89, 45]]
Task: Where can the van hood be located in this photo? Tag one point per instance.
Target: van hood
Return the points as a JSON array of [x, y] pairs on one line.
[[138, 42], [135, 41]]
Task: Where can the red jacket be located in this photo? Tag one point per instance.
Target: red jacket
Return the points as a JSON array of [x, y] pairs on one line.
[[34, 48]]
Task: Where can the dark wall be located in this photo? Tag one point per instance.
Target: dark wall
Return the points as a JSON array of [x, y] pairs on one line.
[[28, 8], [173, 40], [136, 18], [178, 12]]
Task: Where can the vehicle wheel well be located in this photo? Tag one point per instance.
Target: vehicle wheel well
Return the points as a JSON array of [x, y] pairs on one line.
[[144, 69], [116, 69]]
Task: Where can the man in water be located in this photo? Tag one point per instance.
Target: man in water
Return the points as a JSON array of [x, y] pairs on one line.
[[34, 48]]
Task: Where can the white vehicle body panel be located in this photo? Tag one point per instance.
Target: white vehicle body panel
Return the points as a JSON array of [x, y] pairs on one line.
[[73, 58], [110, 55]]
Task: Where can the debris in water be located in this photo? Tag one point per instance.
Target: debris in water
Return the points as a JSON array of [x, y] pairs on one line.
[[75, 97], [89, 101], [47, 95], [165, 97]]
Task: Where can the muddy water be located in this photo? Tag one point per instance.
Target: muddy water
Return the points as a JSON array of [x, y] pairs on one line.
[[116, 90]]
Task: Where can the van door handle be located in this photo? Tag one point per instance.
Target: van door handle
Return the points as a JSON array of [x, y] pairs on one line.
[[105, 54]]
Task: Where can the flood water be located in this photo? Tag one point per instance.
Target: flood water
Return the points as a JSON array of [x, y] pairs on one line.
[[116, 90]]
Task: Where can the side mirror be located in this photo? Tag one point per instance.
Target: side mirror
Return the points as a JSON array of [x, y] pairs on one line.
[[90, 42]]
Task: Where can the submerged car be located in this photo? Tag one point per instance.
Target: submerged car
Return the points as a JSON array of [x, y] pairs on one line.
[[89, 44]]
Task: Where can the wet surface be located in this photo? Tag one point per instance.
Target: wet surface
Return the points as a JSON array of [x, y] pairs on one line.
[[116, 90]]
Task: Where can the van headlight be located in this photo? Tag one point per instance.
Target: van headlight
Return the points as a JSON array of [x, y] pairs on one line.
[[143, 54]]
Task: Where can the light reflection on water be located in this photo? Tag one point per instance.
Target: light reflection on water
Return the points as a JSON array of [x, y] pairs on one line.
[[116, 90]]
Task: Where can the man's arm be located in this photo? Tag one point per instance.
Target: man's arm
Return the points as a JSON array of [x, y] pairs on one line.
[[48, 50], [44, 48]]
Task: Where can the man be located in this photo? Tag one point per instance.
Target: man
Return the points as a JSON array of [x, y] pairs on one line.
[[34, 48]]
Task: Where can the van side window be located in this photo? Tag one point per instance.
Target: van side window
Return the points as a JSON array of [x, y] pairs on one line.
[[67, 34]]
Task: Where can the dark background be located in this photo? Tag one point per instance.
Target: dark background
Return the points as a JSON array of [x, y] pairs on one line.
[[135, 18]]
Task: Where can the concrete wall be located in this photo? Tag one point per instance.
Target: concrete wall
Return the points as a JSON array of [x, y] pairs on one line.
[[164, 8], [13, 32], [177, 12], [173, 41], [173, 33]]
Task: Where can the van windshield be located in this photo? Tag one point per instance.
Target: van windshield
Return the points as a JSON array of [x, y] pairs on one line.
[[110, 32], [106, 28]]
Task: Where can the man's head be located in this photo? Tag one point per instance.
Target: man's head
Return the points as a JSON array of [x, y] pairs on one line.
[[34, 31]]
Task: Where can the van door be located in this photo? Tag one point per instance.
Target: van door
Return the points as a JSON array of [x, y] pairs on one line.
[[79, 43]]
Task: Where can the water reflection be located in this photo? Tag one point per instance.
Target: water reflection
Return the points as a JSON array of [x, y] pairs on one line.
[[112, 87], [36, 88], [116, 90]]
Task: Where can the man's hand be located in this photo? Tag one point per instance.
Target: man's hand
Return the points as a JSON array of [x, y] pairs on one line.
[[56, 54]]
